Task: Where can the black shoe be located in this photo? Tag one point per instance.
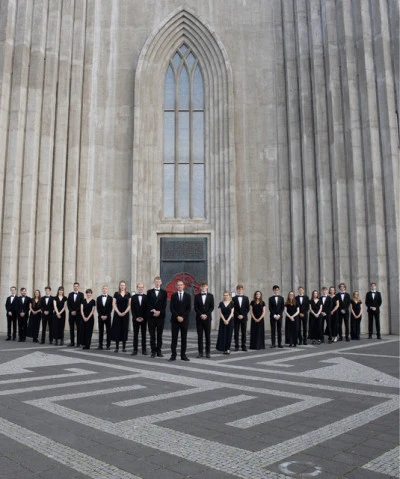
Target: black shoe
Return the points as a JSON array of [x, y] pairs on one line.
[[85, 347], [42, 342], [378, 337], [340, 338], [347, 339], [20, 340], [116, 350], [124, 350], [153, 355], [370, 336], [108, 348], [280, 346], [61, 343], [99, 347], [305, 342], [35, 341], [145, 353], [78, 346], [295, 345], [244, 348], [272, 346], [134, 353], [160, 355], [185, 358], [71, 345], [172, 358], [290, 345], [208, 356], [236, 348], [51, 341], [8, 339], [330, 341], [199, 356]]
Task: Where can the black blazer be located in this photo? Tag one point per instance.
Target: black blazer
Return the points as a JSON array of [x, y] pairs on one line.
[[206, 308], [241, 310], [276, 307], [376, 302], [180, 308], [23, 307], [159, 303], [49, 306], [345, 304], [139, 310], [327, 306], [75, 305], [105, 310], [305, 305], [12, 307]]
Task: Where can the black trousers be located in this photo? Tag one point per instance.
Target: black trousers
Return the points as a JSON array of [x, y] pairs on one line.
[[22, 325], [142, 327], [11, 326], [325, 323], [371, 315], [343, 318], [75, 322], [203, 326], [240, 325], [87, 331], [107, 324], [156, 328], [302, 326], [276, 328], [175, 328], [47, 319]]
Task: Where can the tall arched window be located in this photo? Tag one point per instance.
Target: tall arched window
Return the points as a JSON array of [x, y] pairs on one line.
[[184, 194]]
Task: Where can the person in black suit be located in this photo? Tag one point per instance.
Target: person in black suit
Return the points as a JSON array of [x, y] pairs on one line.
[[139, 308], [47, 305], [180, 308], [157, 304], [276, 305], [12, 313], [23, 313], [326, 303], [303, 302], [242, 308], [104, 304], [344, 311], [74, 301], [373, 302], [203, 306]]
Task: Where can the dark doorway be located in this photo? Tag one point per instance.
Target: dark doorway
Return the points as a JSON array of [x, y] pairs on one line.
[[185, 259]]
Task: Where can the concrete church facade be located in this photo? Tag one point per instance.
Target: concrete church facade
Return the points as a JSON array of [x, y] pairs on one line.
[[235, 141]]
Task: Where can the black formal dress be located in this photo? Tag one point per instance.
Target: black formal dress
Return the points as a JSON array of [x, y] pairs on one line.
[[257, 330], [59, 323], [120, 324], [87, 326], [104, 308], [334, 318], [303, 302], [203, 304], [34, 320], [225, 331], [47, 317], [315, 322], [75, 320], [374, 300], [276, 305], [179, 307], [292, 325], [11, 312], [355, 322], [242, 308], [23, 314], [139, 306]]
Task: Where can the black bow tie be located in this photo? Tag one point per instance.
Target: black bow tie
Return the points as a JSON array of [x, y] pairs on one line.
[[204, 294], [156, 289], [104, 296], [140, 294]]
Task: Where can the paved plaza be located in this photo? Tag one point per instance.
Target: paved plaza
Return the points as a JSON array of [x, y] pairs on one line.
[[326, 411]]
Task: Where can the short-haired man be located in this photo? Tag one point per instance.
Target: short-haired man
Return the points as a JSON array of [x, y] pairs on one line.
[[23, 313], [326, 303], [47, 306], [180, 307], [11, 312], [343, 312], [139, 318], [156, 306], [373, 302], [303, 302], [104, 305], [74, 301], [203, 306], [276, 305], [242, 308]]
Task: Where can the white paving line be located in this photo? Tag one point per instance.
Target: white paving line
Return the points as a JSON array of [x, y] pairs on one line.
[[388, 463], [74, 372], [373, 355], [65, 455]]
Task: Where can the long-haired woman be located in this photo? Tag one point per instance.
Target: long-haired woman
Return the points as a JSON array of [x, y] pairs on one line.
[[34, 317], [225, 311], [315, 313], [257, 328], [60, 305], [292, 312], [120, 324]]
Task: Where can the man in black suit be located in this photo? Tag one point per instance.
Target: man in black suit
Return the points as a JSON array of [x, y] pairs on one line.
[[373, 301], [303, 302], [23, 313], [326, 302], [156, 304], [343, 312], [74, 301], [203, 306], [47, 307], [139, 306], [180, 308], [11, 311], [276, 305], [242, 308], [104, 305]]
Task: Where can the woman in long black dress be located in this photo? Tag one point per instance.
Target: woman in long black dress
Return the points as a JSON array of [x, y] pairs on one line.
[[257, 328], [292, 311], [334, 314], [315, 320], [60, 305], [120, 324], [34, 317], [87, 312], [356, 316], [225, 310]]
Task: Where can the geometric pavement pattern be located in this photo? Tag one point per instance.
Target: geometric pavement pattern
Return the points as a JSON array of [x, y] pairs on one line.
[[324, 411]]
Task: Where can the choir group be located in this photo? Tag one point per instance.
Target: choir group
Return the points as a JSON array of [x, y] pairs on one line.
[[306, 318]]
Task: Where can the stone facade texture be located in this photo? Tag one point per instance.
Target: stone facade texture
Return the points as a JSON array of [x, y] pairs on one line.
[[302, 142]]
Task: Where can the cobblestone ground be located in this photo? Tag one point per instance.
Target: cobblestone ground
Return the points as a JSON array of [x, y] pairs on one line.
[[326, 411]]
